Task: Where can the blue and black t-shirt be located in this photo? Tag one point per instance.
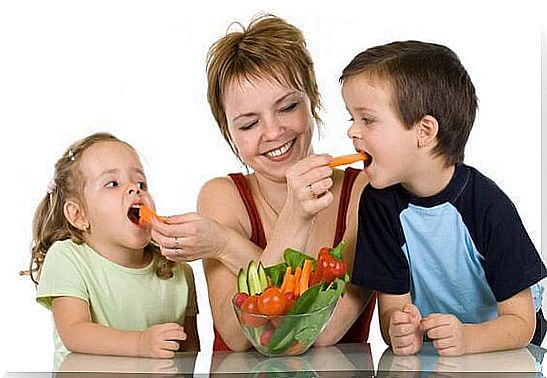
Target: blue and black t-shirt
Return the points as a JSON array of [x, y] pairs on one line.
[[459, 252]]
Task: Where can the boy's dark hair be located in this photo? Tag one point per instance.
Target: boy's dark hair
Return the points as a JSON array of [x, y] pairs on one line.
[[426, 79]]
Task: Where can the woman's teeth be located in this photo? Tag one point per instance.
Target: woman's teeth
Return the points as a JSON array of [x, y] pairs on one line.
[[280, 151]]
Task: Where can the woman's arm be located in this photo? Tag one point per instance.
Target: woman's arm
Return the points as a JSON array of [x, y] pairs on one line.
[[79, 334]]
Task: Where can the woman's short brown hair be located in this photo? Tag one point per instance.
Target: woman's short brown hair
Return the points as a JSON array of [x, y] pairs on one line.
[[269, 47]]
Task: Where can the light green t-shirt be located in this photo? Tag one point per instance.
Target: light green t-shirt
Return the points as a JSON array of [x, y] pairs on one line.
[[119, 297]]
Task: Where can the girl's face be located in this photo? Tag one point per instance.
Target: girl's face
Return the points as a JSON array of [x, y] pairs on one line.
[[271, 124], [377, 130], [114, 181]]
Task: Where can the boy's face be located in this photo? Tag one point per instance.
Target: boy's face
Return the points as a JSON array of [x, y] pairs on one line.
[[377, 130], [114, 181]]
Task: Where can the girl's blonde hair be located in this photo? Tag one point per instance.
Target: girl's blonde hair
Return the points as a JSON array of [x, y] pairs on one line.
[[50, 224], [269, 47]]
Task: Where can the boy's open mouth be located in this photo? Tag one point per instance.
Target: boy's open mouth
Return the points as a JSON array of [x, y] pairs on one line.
[[134, 214], [368, 159]]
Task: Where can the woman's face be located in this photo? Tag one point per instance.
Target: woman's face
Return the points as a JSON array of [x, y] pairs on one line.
[[271, 124]]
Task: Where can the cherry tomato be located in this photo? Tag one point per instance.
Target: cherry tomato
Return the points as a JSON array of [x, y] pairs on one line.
[[240, 298], [250, 314], [266, 336], [272, 302]]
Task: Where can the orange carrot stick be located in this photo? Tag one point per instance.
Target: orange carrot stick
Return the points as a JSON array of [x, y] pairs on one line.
[[297, 274], [305, 278], [285, 279], [146, 215], [291, 282], [347, 159]]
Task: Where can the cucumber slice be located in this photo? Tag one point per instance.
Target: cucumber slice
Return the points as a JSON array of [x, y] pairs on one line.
[[252, 279], [242, 286], [262, 277]]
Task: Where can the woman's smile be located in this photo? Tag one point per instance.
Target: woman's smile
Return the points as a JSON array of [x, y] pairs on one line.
[[280, 153]]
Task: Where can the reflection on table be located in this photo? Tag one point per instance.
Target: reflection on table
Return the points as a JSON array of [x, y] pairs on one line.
[[183, 364], [338, 360], [343, 360], [523, 362]]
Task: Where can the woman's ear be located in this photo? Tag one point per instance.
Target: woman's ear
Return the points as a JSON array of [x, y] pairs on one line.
[[75, 215], [426, 131]]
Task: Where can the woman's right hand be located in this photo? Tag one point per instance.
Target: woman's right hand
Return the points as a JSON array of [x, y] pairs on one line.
[[308, 185], [161, 340], [189, 237]]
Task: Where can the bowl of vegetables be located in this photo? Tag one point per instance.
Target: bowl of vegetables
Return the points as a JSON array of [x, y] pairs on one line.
[[282, 309]]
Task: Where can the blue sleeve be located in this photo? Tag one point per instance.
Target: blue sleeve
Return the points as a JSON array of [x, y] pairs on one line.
[[379, 261]]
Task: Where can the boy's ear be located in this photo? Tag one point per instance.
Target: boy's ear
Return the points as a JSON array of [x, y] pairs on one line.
[[74, 213], [426, 131]]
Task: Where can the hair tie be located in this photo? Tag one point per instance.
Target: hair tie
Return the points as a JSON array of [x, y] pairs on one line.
[[71, 155], [51, 186]]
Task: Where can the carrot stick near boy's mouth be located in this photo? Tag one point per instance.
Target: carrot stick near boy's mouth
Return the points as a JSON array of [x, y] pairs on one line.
[[347, 159]]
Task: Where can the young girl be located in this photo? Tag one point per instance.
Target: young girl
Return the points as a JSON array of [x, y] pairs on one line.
[[110, 290]]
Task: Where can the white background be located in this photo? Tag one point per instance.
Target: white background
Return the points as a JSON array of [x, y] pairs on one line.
[[137, 69]]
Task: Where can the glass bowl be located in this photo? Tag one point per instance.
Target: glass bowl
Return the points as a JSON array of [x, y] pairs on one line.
[[283, 335]]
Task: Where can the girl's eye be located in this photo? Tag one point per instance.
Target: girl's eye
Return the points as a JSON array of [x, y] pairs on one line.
[[142, 185], [112, 184]]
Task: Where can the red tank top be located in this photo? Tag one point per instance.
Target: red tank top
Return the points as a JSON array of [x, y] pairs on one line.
[[358, 333]]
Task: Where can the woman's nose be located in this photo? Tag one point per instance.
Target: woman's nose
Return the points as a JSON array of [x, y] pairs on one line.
[[273, 128]]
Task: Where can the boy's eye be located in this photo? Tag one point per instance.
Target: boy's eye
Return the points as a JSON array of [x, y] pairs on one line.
[[142, 185], [111, 184]]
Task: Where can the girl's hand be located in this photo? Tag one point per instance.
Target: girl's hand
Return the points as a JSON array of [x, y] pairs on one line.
[[447, 333], [308, 184], [405, 331], [189, 237], [160, 341]]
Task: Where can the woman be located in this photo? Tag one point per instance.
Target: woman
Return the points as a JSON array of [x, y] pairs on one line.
[[264, 97]]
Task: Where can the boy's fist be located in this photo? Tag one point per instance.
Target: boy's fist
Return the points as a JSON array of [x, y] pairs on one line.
[[446, 332], [405, 331], [160, 341]]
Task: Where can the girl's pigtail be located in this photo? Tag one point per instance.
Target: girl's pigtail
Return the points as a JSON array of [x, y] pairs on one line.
[[164, 267]]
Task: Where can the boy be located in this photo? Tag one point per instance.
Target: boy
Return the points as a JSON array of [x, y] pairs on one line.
[[441, 243]]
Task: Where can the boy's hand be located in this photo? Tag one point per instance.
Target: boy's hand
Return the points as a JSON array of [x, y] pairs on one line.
[[160, 341], [447, 333], [405, 331]]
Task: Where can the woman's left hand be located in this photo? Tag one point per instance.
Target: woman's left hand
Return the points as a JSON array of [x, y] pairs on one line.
[[189, 237]]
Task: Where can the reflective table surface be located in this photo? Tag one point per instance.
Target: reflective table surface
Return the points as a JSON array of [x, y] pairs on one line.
[[343, 360]]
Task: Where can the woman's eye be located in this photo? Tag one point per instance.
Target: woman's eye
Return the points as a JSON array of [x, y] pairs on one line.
[[350, 119], [112, 184], [248, 126], [289, 108], [142, 186]]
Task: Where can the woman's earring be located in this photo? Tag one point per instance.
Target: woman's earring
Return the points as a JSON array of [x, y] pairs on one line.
[[86, 227]]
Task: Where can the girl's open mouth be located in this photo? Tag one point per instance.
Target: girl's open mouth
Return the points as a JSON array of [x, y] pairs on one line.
[[134, 214]]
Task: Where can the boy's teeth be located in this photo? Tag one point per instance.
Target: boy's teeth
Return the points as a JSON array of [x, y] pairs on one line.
[[281, 150]]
